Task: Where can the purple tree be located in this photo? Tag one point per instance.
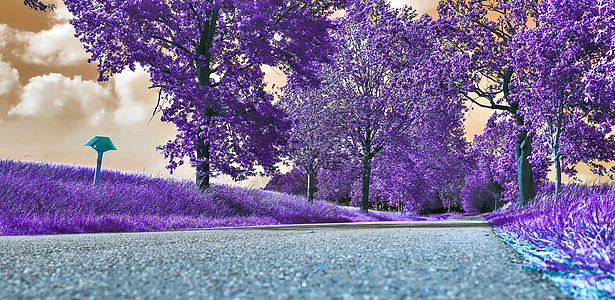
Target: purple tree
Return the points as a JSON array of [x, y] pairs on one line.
[[313, 140], [206, 58], [380, 80], [364, 76], [492, 158], [423, 165], [485, 29], [553, 59]]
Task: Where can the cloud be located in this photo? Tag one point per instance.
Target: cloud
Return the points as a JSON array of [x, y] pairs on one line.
[[54, 96], [57, 45], [421, 6], [61, 13], [134, 96], [9, 78], [4, 35]]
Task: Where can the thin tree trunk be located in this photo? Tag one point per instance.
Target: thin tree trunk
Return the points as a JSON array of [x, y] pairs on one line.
[[310, 185], [365, 189], [558, 173], [523, 149], [557, 162]]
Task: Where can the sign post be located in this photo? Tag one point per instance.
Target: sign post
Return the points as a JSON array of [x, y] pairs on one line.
[[101, 144]]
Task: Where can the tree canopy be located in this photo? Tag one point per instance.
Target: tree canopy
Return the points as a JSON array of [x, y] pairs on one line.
[[206, 59]]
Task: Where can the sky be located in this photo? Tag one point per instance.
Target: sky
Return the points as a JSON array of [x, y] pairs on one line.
[[51, 103]]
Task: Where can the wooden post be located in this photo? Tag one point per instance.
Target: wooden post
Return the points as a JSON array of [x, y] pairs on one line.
[[98, 164]]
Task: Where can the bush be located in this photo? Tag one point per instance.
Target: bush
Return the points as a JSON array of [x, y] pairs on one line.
[[292, 183]]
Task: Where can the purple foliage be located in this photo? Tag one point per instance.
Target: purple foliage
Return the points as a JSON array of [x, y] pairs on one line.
[[293, 182], [553, 59], [206, 57], [42, 198], [572, 236], [492, 157], [38, 5], [480, 193], [389, 107], [335, 185]]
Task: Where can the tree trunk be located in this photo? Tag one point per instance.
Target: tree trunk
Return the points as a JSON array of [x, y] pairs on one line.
[[557, 162], [558, 173], [523, 149], [310, 185], [367, 170], [204, 73], [203, 169]]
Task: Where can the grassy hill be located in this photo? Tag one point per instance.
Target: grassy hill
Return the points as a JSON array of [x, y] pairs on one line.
[[44, 198]]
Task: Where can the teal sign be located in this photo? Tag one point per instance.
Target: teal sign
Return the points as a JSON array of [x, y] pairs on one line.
[[101, 144]]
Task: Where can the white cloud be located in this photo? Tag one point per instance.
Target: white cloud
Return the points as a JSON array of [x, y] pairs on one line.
[[61, 13], [54, 96], [131, 88], [57, 45], [4, 35], [9, 78], [420, 6]]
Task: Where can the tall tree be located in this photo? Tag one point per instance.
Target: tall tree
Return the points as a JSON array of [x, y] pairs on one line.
[[373, 76], [553, 59], [421, 162], [492, 156], [206, 58], [313, 138], [485, 29]]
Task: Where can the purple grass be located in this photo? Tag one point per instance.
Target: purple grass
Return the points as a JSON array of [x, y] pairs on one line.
[[42, 198], [571, 237]]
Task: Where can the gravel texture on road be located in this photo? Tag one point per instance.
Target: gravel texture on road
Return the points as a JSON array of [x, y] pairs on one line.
[[393, 261]]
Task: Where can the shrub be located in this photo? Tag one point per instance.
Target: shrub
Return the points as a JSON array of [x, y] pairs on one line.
[[293, 182]]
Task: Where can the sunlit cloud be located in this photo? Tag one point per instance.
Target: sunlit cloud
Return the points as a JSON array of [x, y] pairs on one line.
[[134, 96], [9, 77], [56, 46], [4, 35], [54, 96], [61, 13]]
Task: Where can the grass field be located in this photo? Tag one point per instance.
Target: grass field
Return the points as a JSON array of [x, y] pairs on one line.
[[43, 198]]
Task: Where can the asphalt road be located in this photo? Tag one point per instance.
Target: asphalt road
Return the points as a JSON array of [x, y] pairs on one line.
[[455, 259]]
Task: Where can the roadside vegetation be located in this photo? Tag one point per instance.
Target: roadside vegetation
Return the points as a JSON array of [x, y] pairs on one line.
[[570, 237], [43, 198]]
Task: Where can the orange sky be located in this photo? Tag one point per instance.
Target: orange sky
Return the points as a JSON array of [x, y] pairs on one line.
[[51, 104]]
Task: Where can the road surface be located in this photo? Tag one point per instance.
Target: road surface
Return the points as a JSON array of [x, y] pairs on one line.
[[454, 259]]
